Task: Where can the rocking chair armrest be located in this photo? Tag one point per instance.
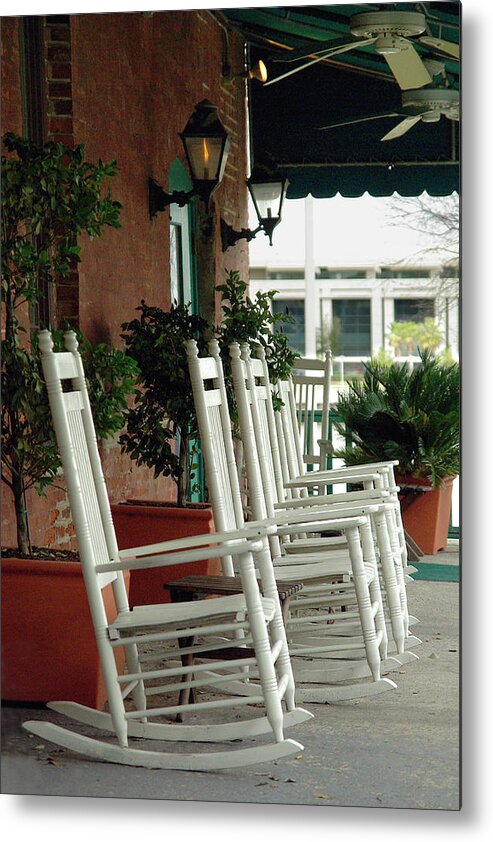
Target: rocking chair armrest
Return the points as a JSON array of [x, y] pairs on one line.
[[249, 530], [334, 524], [328, 478], [237, 547], [305, 521], [365, 467], [373, 495]]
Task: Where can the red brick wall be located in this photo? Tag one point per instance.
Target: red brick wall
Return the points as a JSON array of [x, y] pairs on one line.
[[136, 81], [11, 99], [124, 85]]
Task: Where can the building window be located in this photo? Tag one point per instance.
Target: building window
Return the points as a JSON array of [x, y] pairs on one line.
[[352, 319], [385, 272], [286, 275], [340, 274], [413, 309], [295, 330]]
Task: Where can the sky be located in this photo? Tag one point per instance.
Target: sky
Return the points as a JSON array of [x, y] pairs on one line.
[[347, 232]]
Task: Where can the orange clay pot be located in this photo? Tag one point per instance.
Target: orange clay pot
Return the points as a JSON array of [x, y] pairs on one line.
[[49, 649], [140, 522], [426, 515]]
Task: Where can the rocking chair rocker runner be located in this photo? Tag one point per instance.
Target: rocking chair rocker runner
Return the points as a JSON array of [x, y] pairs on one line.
[[157, 637]]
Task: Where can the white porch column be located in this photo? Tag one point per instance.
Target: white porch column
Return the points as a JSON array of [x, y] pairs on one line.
[[377, 329], [311, 297]]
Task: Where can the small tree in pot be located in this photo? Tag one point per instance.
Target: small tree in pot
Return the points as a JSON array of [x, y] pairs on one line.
[[50, 195]]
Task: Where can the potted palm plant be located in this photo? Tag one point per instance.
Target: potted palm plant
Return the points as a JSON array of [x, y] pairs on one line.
[[50, 195], [162, 429], [412, 416]]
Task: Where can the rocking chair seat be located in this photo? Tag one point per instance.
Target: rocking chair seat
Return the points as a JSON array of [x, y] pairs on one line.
[[177, 613]]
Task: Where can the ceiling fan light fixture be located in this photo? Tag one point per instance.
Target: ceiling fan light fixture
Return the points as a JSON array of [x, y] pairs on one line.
[[431, 116], [389, 45]]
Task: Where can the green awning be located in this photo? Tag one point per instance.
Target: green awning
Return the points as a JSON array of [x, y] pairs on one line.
[[286, 117]]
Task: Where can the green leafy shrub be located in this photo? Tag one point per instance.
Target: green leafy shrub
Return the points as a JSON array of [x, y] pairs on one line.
[[162, 427], [252, 321], [164, 411]]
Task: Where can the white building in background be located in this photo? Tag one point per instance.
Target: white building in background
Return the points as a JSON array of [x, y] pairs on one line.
[[363, 300], [359, 293]]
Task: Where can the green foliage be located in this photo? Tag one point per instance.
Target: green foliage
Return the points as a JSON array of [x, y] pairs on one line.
[[329, 339], [383, 357], [252, 322], [29, 452], [406, 337], [410, 416], [50, 195], [164, 407]]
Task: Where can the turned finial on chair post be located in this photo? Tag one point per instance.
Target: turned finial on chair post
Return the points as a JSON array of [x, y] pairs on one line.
[[214, 348], [70, 340], [192, 349], [45, 342]]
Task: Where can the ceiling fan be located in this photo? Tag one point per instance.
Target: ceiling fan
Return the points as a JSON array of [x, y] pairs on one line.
[[423, 104], [389, 32]]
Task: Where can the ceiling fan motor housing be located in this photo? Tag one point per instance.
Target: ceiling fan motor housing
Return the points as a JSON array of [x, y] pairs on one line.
[[429, 101], [375, 24]]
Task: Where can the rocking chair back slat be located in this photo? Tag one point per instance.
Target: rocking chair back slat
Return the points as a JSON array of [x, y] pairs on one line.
[[74, 427]]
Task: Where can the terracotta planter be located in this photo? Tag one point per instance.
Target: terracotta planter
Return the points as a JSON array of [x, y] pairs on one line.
[[426, 515], [138, 523], [48, 645]]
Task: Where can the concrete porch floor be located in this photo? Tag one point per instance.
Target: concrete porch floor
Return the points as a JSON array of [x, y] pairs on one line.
[[398, 750]]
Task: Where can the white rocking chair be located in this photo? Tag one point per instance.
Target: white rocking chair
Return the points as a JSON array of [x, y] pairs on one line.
[[269, 429], [311, 385], [301, 395], [164, 643], [224, 493]]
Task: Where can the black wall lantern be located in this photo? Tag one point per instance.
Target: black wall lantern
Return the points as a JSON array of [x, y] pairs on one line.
[[267, 188], [207, 144]]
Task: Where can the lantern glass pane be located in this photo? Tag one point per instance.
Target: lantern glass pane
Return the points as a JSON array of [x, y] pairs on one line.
[[204, 156], [267, 197]]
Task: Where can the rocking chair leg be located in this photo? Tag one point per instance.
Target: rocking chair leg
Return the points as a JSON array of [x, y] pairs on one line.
[[186, 695]]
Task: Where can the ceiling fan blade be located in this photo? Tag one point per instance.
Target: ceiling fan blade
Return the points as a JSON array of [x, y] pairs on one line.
[[343, 49], [317, 47], [401, 128], [407, 68], [447, 47], [360, 120]]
